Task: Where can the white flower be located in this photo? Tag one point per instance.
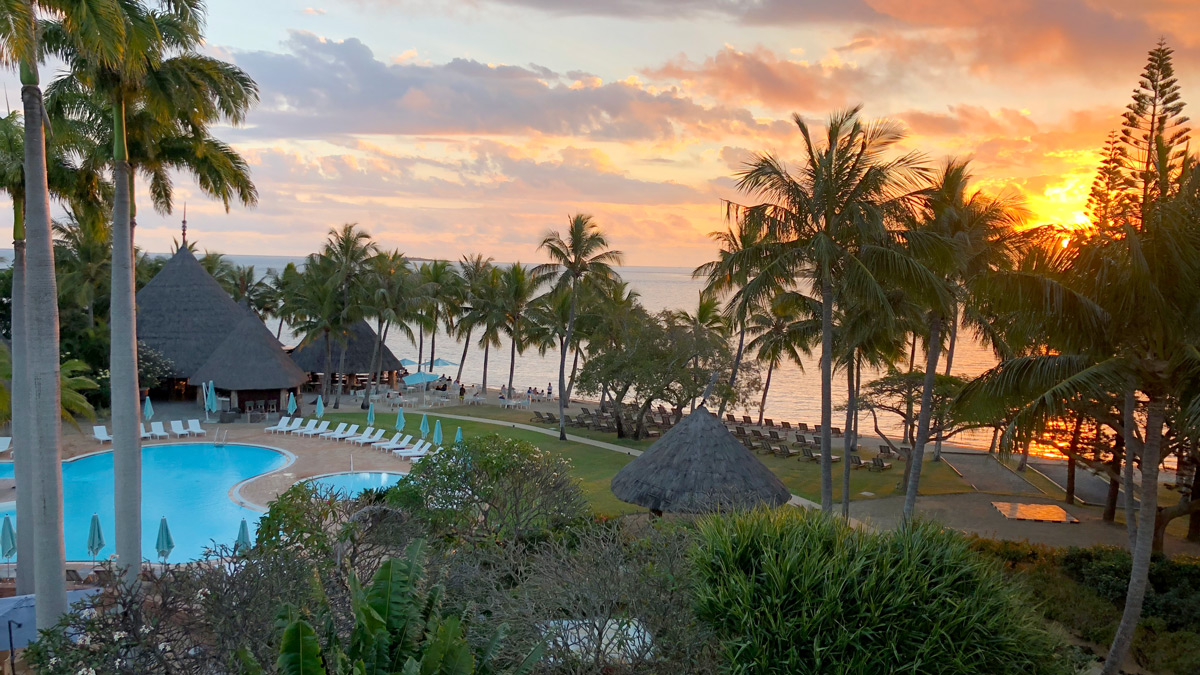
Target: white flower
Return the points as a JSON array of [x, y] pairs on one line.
[[85, 639], [144, 630], [54, 660], [88, 671], [120, 635], [164, 647]]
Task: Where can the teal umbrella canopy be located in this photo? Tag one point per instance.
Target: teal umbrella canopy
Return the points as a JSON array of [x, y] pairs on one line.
[[424, 426], [371, 415], [210, 397], [95, 537], [164, 544], [291, 403], [407, 362], [320, 412], [420, 378], [8, 539], [148, 409], [400, 419], [458, 439], [242, 544], [437, 432], [440, 363]]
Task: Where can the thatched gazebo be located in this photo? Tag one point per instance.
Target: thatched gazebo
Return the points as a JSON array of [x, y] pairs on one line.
[[698, 467], [184, 314], [359, 342]]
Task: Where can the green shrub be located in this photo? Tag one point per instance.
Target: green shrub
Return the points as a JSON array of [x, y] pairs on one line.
[[1077, 607], [1012, 553], [1173, 595], [1162, 650], [789, 591]]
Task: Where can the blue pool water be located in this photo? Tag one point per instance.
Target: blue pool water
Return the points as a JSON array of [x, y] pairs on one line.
[[356, 482], [187, 483]]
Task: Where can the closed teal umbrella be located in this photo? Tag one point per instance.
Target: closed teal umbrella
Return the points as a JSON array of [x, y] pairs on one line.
[[400, 419], [242, 544], [148, 409], [95, 537], [164, 544], [8, 539], [458, 437], [320, 408], [371, 415], [437, 432], [424, 425], [291, 403], [210, 400]]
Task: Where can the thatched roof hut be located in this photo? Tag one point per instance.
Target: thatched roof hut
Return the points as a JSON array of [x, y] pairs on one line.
[[360, 341], [250, 358], [698, 467], [184, 314]]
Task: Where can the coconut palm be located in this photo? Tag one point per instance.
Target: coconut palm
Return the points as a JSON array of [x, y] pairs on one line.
[[487, 314], [392, 289], [443, 287], [244, 284], [582, 255], [784, 330], [472, 269], [346, 256], [707, 324], [738, 276], [519, 286], [313, 303], [828, 217], [84, 256]]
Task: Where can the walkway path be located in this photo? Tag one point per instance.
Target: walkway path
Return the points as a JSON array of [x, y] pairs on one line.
[[986, 474], [1089, 488], [541, 430]]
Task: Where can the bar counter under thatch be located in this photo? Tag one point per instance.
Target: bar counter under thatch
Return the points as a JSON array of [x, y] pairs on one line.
[[698, 467]]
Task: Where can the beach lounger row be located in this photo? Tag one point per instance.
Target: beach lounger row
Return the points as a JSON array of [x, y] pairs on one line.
[[157, 431]]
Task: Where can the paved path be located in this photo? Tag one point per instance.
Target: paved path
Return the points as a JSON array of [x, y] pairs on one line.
[[541, 430], [986, 474], [1089, 487]]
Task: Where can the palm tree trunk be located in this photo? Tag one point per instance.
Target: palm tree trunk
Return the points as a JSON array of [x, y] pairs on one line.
[[848, 438], [463, 359], [909, 435], [571, 382], [1114, 482], [918, 453], [376, 356], [562, 369], [826, 395], [420, 346], [432, 344], [737, 364], [1140, 569], [127, 452], [487, 347], [1074, 448], [937, 448], [279, 329], [1131, 455], [762, 404], [337, 401], [41, 326], [512, 363], [23, 462], [328, 374]]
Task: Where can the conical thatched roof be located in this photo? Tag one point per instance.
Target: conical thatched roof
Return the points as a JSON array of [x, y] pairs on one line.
[[698, 467], [185, 314], [361, 341], [249, 358]]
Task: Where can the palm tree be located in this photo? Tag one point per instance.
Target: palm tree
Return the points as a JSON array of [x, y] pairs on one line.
[[313, 303], [518, 287], [487, 313], [158, 71], [740, 260], [707, 324], [84, 248], [244, 284], [581, 256], [345, 256], [827, 217], [395, 288], [472, 269], [443, 286], [782, 331]]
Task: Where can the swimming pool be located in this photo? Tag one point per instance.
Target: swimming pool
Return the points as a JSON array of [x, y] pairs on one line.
[[189, 483], [355, 482]]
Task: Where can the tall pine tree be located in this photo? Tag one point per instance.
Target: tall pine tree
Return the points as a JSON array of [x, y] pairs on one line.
[[1154, 119], [1109, 200]]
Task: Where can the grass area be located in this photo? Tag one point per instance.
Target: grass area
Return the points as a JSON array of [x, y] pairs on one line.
[[595, 467], [526, 417]]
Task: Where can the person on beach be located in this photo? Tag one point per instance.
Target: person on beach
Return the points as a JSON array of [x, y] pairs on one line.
[[462, 393]]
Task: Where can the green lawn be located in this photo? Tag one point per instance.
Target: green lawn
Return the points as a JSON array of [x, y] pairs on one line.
[[595, 467]]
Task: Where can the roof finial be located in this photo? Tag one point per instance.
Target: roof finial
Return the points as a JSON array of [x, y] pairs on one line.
[[184, 244]]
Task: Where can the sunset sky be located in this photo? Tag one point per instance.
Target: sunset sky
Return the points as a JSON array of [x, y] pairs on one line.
[[448, 127]]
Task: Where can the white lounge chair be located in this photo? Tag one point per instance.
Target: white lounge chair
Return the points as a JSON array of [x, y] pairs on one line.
[[101, 434], [157, 431], [145, 434], [368, 440], [195, 429], [177, 429], [330, 434], [394, 444], [367, 432], [312, 424], [5, 443], [316, 431], [419, 450], [296, 422], [389, 441], [281, 425], [343, 435]]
